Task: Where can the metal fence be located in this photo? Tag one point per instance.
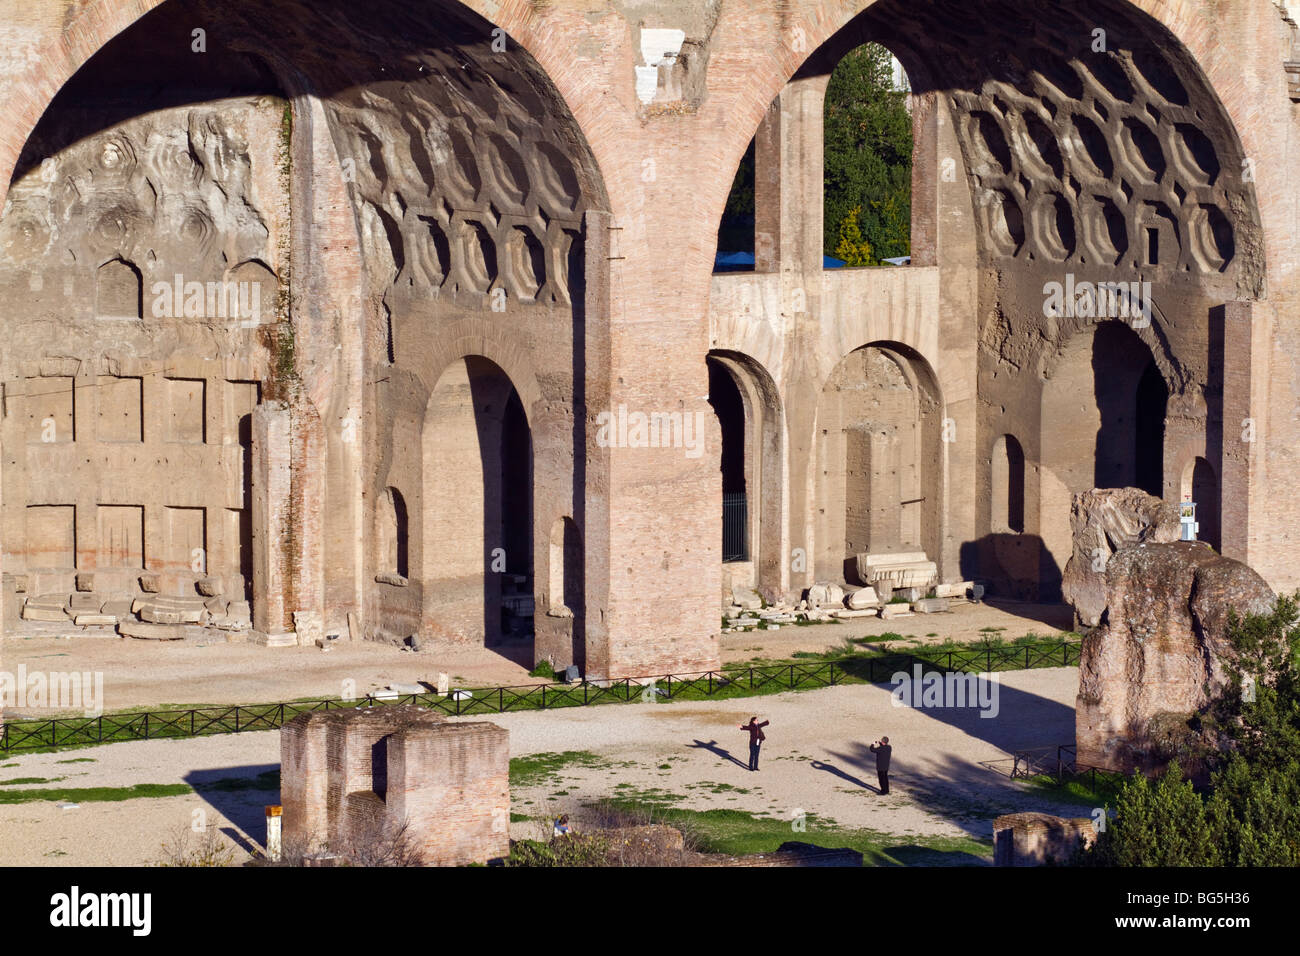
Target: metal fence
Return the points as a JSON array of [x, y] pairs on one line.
[[1060, 764], [56, 732]]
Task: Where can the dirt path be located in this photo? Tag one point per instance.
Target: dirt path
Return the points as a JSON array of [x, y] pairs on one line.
[[815, 762], [147, 673]]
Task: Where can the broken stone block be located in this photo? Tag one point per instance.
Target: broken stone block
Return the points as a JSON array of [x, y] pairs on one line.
[[210, 587], [286, 639], [825, 595], [846, 613], [94, 620], [85, 581], [957, 590], [930, 605], [216, 605], [444, 684], [118, 607], [150, 632], [20, 583], [908, 569], [160, 614], [240, 610], [862, 598], [35, 612], [891, 611], [150, 583], [909, 594], [408, 688], [309, 627], [84, 602], [746, 598]]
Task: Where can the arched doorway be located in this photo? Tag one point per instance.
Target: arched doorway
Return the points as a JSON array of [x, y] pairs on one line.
[[1102, 425], [477, 465], [880, 460], [1200, 483], [748, 407]]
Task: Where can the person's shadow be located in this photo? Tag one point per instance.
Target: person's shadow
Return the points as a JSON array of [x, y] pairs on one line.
[[712, 747], [819, 765]]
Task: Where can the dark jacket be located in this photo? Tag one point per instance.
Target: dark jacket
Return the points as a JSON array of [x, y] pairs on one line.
[[883, 753], [755, 731]]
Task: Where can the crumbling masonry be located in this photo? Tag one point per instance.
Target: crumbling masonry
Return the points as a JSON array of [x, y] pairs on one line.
[[321, 304]]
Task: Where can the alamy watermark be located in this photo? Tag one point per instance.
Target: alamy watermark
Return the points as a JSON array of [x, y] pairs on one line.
[[1099, 300], [179, 299], [62, 690], [624, 429], [950, 690]]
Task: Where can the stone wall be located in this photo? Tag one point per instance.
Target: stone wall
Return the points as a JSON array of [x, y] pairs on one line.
[[1035, 839], [357, 776]]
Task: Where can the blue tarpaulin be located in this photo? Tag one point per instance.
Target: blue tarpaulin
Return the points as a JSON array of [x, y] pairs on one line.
[[741, 261]]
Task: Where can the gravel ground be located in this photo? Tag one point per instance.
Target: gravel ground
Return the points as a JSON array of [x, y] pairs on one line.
[[815, 760], [148, 673]]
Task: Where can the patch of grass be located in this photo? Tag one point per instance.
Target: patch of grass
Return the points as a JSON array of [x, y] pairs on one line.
[[97, 794], [15, 781], [1079, 790], [736, 832], [78, 760], [536, 769], [544, 670]]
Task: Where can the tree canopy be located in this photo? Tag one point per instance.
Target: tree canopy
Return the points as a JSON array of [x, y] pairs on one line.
[[868, 167]]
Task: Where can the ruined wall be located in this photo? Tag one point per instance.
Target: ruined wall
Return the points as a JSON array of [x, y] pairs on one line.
[[666, 131], [140, 273]]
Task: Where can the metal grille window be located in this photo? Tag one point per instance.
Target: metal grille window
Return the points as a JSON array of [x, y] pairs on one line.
[[735, 528]]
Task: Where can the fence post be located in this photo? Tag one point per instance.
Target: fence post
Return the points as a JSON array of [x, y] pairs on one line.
[[751, 677], [792, 677], [543, 700], [501, 700], [1026, 657]]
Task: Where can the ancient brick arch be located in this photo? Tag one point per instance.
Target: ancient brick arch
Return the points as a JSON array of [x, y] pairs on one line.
[[1091, 136]]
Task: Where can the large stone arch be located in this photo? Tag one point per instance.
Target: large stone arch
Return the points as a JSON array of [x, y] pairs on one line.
[[420, 193]]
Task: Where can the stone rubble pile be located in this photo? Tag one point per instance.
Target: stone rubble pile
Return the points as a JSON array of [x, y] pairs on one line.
[[147, 615], [827, 602]]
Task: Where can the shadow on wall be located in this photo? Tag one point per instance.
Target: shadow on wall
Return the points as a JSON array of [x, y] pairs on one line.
[[1017, 566]]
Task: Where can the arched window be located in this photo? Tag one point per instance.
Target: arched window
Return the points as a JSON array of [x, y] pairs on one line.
[[394, 534], [118, 290], [1008, 486]]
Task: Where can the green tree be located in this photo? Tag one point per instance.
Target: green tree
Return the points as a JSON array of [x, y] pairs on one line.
[[868, 155], [1160, 823], [851, 247]]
